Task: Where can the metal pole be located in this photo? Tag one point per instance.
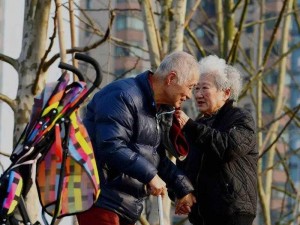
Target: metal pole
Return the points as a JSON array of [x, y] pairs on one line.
[[160, 210]]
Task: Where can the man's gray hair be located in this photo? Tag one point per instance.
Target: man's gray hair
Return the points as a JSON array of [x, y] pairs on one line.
[[182, 63], [225, 76]]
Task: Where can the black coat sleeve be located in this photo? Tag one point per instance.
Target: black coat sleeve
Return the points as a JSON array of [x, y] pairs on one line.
[[235, 138]]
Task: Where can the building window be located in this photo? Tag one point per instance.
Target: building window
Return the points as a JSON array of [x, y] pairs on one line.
[[250, 28], [120, 51], [271, 18], [129, 22], [86, 31], [278, 194], [285, 136], [121, 22], [268, 106], [288, 80], [271, 78], [298, 64], [275, 48], [129, 51], [199, 32], [209, 7], [248, 52], [88, 4]]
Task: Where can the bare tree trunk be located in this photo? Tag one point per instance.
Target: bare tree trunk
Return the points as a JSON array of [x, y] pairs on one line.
[[165, 25], [61, 32], [72, 29], [261, 192], [153, 38], [220, 26], [279, 102], [229, 28], [179, 19], [33, 48]]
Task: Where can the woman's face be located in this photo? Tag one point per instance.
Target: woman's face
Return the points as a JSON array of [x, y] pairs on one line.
[[209, 99]]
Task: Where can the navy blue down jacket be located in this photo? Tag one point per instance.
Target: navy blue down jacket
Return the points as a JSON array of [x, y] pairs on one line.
[[125, 129]]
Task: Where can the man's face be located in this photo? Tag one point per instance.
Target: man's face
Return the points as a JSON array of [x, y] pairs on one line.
[[209, 99], [178, 93]]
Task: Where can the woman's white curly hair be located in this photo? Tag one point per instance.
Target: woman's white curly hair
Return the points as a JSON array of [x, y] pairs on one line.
[[225, 76]]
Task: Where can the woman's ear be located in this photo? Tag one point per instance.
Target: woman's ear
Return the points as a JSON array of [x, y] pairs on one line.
[[227, 93]]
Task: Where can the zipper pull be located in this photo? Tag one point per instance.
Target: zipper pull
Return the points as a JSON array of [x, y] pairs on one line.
[[157, 122]]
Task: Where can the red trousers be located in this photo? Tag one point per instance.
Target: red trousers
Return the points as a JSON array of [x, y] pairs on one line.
[[100, 216]]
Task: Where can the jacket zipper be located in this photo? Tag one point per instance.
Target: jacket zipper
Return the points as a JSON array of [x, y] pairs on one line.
[[157, 118]]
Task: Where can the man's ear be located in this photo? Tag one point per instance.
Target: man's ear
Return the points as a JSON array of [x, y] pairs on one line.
[[171, 77]]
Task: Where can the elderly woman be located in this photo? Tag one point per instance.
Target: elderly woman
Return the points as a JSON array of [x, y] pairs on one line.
[[222, 161]]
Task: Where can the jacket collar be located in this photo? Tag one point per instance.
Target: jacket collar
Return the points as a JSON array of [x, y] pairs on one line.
[[144, 83], [228, 105], [224, 109]]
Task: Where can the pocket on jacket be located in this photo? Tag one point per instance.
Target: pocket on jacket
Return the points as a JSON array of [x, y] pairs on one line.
[[231, 187]]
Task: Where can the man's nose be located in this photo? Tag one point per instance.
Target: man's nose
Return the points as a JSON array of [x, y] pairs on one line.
[[189, 95]]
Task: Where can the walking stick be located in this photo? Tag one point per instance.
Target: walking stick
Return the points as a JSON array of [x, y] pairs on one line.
[[160, 210]]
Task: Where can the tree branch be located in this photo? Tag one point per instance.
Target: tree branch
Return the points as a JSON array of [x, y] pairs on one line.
[[191, 14], [12, 103], [195, 40], [280, 133], [4, 154], [11, 61], [82, 49], [128, 71], [233, 51]]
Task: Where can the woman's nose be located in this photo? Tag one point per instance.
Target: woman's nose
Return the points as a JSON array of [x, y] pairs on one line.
[[198, 93]]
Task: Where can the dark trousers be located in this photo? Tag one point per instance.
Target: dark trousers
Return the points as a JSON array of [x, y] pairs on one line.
[[100, 216], [239, 219]]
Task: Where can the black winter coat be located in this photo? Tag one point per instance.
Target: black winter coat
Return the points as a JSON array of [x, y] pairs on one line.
[[124, 127], [222, 163]]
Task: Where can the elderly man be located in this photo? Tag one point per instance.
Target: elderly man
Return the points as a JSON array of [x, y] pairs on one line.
[[127, 122]]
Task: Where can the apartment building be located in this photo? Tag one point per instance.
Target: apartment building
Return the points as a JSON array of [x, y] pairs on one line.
[[124, 54]]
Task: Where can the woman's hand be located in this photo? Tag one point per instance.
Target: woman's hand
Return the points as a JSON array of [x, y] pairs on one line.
[[181, 117], [184, 205]]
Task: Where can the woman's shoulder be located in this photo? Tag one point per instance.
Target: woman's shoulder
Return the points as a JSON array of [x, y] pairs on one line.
[[241, 116], [242, 111]]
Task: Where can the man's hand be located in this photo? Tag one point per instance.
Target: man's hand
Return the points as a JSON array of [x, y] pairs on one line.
[[184, 205], [157, 186]]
